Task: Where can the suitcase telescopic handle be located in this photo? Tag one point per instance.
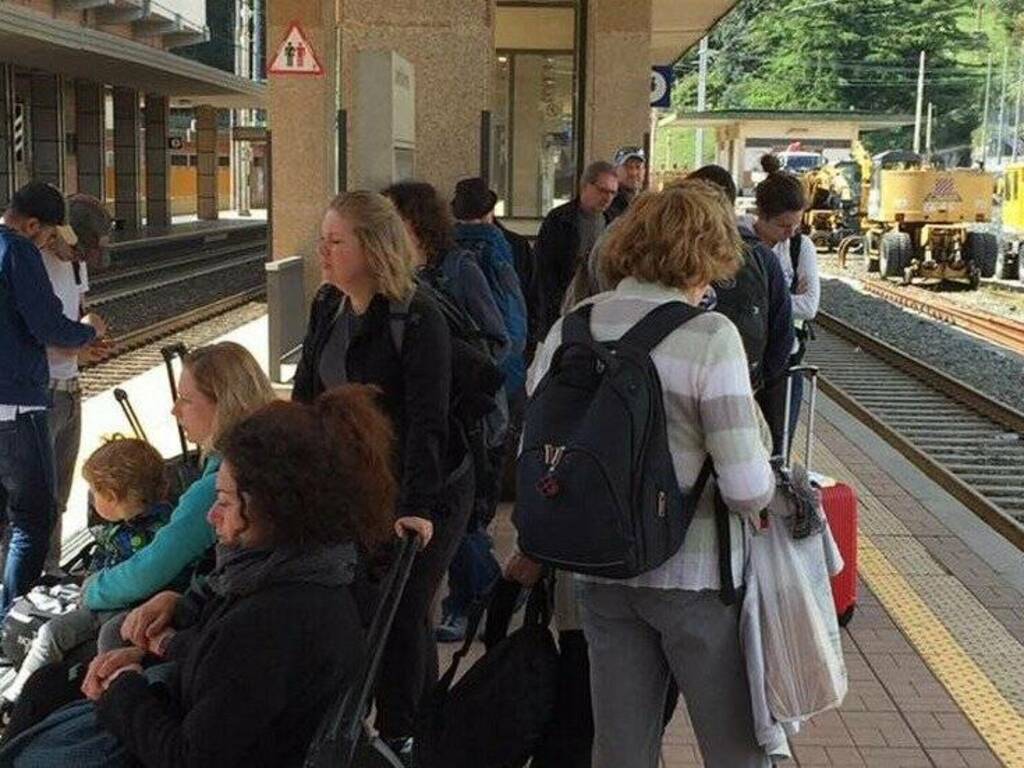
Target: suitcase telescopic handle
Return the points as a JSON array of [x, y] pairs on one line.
[[129, 413], [339, 733], [810, 372], [169, 352]]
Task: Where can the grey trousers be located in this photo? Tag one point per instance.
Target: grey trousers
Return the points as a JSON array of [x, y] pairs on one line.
[[65, 419], [638, 638], [55, 638]]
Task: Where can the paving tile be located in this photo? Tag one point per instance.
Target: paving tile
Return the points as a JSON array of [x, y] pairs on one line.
[[889, 757], [897, 714]]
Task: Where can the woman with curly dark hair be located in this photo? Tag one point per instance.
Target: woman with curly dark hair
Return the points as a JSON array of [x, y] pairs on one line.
[[267, 643], [444, 265]]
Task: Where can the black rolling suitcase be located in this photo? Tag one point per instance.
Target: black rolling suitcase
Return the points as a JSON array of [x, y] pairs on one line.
[[181, 470], [343, 739]]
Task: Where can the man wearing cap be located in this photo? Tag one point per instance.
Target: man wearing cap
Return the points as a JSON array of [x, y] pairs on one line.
[[630, 164], [566, 237], [66, 267], [30, 318]]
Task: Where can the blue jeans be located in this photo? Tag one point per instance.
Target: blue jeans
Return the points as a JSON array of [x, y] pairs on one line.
[[27, 477], [471, 574]]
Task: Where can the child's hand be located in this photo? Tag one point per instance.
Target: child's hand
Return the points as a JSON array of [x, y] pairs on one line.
[[158, 645], [150, 619], [104, 667]]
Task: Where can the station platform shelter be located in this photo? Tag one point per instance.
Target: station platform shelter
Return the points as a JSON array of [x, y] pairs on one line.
[[741, 137], [935, 649], [89, 94]]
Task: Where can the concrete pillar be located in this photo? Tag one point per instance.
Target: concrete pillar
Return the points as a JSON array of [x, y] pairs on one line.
[[450, 43], [158, 162], [526, 138], [6, 139], [303, 165], [89, 130], [618, 77], [126, 158], [206, 163], [47, 112]]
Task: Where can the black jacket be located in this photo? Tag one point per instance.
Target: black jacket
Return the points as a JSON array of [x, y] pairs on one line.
[[254, 677], [526, 268], [415, 389], [620, 203], [555, 256]]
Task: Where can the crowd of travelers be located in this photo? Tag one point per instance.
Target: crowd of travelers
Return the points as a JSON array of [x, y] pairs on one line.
[[216, 630]]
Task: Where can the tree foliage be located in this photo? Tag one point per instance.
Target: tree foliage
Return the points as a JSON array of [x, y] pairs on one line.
[[855, 54]]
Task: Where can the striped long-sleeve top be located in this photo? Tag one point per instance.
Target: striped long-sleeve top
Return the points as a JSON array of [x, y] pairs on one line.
[[709, 409]]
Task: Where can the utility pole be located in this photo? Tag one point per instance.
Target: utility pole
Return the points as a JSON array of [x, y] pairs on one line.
[[702, 92], [920, 105], [1016, 115], [1002, 108], [928, 130], [984, 118]]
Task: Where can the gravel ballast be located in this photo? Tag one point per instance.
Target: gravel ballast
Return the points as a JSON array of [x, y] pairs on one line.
[[146, 307], [996, 372]]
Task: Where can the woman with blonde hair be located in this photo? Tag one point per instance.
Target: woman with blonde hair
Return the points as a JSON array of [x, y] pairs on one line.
[[371, 324], [219, 385], [677, 621]]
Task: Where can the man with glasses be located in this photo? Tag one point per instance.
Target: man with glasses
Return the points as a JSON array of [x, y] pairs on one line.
[[30, 319], [567, 236], [66, 265], [630, 164]]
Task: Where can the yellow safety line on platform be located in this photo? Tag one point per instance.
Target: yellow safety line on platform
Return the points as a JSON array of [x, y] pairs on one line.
[[999, 724]]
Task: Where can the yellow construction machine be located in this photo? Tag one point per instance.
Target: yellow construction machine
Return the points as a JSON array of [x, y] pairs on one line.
[[833, 199], [1012, 189], [923, 223]]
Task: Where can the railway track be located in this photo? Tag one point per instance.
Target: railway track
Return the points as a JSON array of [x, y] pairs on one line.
[[970, 444], [152, 277], [109, 369], [991, 327]]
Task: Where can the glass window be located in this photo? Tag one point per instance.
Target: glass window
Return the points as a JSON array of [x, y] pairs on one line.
[[533, 159]]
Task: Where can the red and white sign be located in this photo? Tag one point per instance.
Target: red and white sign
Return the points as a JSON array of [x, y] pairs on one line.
[[295, 56]]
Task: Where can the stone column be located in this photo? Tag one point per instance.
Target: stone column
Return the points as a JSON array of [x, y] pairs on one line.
[[126, 158], [618, 77], [158, 162], [303, 115], [528, 125], [206, 163], [450, 44], [6, 138], [89, 130], [47, 129]]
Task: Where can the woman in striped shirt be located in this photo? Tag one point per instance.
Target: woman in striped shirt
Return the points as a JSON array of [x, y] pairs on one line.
[[671, 622]]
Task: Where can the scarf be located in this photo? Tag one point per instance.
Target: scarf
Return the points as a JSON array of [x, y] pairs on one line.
[[240, 572]]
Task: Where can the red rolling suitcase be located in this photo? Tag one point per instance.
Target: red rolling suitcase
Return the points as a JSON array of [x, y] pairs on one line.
[[839, 502]]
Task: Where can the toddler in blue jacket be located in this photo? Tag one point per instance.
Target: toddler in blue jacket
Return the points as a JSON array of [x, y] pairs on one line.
[[126, 478]]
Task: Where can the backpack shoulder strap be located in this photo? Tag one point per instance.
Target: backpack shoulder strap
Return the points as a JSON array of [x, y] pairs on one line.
[[576, 326], [398, 317], [795, 243], [659, 323]]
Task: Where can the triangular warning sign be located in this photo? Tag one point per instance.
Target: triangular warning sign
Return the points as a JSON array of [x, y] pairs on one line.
[[295, 56]]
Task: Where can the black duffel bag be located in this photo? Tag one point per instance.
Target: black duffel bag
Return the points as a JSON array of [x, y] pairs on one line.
[[498, 712]]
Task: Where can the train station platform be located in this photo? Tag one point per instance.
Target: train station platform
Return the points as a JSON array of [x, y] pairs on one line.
[[125, 241], [935, 650]]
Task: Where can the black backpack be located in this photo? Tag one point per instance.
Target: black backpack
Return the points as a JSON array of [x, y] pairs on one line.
[[744, 300], [496, 715], [476, 378], [596, 487]]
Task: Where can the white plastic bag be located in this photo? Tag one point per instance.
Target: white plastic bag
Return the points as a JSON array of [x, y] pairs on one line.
[[804, 671]]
